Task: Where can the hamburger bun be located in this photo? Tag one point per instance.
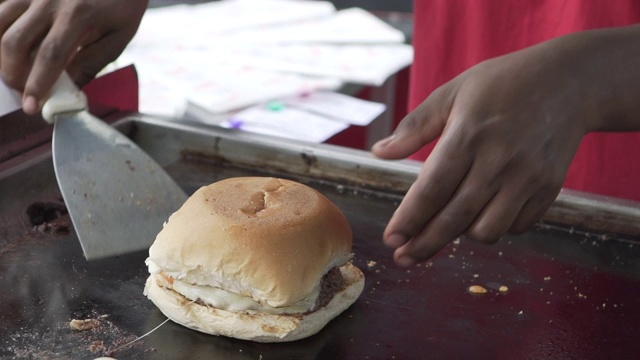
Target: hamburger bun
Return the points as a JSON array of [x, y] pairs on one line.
[[255, 258]]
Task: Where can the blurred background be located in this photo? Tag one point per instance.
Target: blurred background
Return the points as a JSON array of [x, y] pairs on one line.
[[318, 71], [374, 5], [290, 68]]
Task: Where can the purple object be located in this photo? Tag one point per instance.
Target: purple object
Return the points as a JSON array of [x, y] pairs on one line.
[[236, 123]]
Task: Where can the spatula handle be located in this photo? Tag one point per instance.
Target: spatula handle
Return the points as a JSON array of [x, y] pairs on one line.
[[65, 97]]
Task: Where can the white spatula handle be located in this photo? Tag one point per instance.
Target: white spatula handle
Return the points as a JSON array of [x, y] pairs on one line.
[[65, 97]]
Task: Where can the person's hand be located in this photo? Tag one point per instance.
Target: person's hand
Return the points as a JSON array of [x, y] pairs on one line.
[[39, 39], [509, 128]]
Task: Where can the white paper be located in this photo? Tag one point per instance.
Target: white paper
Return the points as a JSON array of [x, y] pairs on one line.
[[360, 64], [168, 83], [227, 55], [349, 26], [288, 123], [10, 99], [339, 107], [182, 22]]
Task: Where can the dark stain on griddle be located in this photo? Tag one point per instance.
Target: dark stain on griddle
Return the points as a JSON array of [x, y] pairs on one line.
[[201, 156], [41, 212], [216, 145], [309, 159], [197, 160], [201, 159], [49, 217]]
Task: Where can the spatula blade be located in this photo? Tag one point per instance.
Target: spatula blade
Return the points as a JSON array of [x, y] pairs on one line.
[[117, 196]]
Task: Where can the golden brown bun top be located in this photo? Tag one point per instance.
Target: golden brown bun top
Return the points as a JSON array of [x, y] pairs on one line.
[[268, 238]]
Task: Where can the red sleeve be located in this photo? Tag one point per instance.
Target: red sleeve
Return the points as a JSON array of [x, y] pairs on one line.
[[453, 35]]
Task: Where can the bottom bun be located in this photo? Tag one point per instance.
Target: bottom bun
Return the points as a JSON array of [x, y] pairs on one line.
[[254, 325]]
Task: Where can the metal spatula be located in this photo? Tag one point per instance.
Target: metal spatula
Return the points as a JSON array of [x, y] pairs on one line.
[[117, 196]]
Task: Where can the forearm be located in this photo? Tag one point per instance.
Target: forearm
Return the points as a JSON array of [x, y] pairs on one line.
[[605, 68]]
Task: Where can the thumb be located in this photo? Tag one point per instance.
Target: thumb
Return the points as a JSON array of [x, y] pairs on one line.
[[418, 128]]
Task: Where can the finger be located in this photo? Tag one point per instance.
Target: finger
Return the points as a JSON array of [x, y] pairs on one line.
[[18, 44], [497, 217], [436, 183], [55, 51], [418, 128], [532, 211], [469, 200], [10, 11], [515, 208], [92, 58]]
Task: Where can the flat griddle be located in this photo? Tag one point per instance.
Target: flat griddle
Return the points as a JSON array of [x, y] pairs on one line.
[[573, 281]]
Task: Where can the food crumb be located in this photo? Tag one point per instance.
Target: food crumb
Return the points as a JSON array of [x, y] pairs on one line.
[[97, 346], [475, 276], [82, 325], [503, 289], [371, 264], [477, 289], [547, 278]]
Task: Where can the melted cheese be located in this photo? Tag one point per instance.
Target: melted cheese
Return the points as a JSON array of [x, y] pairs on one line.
[[226, 300], [230, 301]]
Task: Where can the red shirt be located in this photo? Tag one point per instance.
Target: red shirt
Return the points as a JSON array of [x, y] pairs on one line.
[[453, 35]]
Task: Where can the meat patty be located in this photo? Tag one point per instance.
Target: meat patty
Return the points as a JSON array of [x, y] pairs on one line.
[[331, 283]]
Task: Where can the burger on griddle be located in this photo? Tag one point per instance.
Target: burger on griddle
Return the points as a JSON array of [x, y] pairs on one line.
[[254, 258]]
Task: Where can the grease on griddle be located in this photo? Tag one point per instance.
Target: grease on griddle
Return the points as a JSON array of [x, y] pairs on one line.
[[49, 217], [61, 342]]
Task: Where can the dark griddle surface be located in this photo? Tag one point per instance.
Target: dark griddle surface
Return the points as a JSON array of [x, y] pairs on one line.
[[570, 296]]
